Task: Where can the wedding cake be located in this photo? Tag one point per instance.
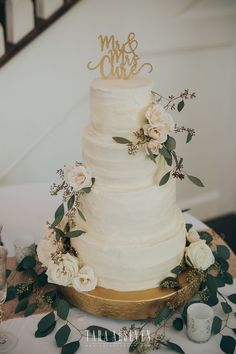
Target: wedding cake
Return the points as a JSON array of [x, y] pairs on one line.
[[118, 226], [135, 234]]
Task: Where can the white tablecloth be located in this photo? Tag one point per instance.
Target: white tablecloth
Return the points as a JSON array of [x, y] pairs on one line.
[[23, 211]]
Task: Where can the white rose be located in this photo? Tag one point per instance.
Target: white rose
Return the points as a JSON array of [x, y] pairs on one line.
[[154, 146], [198, 255], [64, 272], [86, 279], [158, 132], [77, 176], [192, 235], [156, 115], [45, 248]]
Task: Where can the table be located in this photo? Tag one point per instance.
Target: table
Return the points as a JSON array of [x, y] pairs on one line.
[[23, 210]]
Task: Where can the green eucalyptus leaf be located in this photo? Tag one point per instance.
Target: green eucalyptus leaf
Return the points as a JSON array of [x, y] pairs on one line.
[[212, 300], [226, 307], [175, 347], [57, 221], [220, 281], [42, 278], [121, 140], [103, 333], [74, 233], [165, 152], [180, 106], [70, 348], [178, 324], [177, 270], [133, 346], [188, 227], [28, 262], [62, 335], [41, 334], [195, 180], [151, 156], [164, 179], [60, 211], [170, 143], [222, 251], [204, 235], [63, 309], [21, 306], [216, 325], [30, 309], [227, 277], [227, 344], [70, 202], [46, 322], [189, 137], [11, 293], [232, 298], [87, 189], [211, 284], [59, 233], [165, 313], [223, 264], [81, 214]]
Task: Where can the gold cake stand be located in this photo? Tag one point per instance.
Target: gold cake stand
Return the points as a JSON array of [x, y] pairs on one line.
[[131, 305]]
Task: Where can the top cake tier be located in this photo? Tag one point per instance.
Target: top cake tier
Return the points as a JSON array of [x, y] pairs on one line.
[[118, 106]]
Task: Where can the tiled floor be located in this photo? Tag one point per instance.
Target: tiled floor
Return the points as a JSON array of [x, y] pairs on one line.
[[225, 225]]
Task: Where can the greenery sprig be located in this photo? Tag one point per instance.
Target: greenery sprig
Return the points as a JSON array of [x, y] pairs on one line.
[[168, 148]]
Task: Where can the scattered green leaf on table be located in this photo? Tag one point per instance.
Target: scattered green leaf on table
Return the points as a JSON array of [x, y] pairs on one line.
[[103, 333], [227, 344], [21, 306], [70, 348], [216, 325], [62, 335], [63, 309]]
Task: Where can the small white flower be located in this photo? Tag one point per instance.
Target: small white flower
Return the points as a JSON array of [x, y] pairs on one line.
[[86, 280], [64, 272], [192, 235], [198, 255], [156, 115], [154, 146], [77, 176], [158, 132], [46, 247]]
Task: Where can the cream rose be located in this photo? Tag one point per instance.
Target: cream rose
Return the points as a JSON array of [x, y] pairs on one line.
[[77, 176], [192, 235], [86, 279], [64, 272], [45, 248], [158, 133], [154, 146], [198, 255], [156, 115]]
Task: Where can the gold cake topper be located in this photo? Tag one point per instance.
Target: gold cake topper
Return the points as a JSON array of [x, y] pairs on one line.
[[119, 60]]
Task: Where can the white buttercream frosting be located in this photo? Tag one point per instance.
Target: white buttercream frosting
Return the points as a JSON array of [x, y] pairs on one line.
[[135, 234]]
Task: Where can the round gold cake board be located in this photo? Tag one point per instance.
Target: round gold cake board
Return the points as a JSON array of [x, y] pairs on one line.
[[131, 305]]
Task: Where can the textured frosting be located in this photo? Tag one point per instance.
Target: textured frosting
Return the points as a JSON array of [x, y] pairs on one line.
[[135, 234]]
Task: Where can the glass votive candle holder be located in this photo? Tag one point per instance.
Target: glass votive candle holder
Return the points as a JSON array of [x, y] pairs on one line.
[[24, 246], [199, 322]]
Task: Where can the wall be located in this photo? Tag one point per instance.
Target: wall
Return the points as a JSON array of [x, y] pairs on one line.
[[44, 90]]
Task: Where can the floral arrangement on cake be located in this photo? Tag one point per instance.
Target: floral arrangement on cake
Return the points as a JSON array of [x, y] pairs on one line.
[[155, 135], [55, 252]]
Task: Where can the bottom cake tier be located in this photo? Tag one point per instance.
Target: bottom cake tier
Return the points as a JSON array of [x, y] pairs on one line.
[[133, 266]]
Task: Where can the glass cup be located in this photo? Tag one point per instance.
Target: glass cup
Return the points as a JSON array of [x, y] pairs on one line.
[[199, 322], [24, 246], [8, 340]]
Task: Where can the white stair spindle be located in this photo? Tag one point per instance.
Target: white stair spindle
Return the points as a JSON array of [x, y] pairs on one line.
[[19, 19], [2, 42], [45, 8]]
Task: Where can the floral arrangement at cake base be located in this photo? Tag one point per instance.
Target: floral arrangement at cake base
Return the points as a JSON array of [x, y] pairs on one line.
[[203, 259]]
